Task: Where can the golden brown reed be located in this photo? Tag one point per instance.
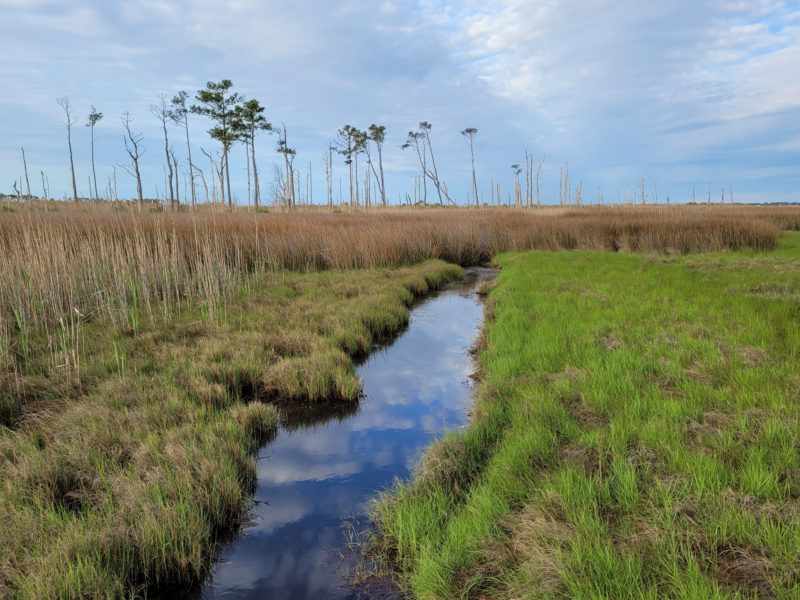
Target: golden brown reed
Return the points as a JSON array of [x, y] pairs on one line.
[[61, 267]]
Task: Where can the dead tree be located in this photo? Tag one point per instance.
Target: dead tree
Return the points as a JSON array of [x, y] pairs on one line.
[[135, 150], [44, 187], [69, 121], [27, 181], [538, 173], [327, 162], [161, 112], [278, 186], [425, 131], [203, 180], [175, 166], [217, 172], [528, 178], [180, 116], [470, 133]]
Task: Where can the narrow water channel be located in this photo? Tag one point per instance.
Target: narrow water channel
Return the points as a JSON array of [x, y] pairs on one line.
[[315, 475]]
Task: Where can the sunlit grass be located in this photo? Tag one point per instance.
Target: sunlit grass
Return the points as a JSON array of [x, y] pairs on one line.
[[636, 435]]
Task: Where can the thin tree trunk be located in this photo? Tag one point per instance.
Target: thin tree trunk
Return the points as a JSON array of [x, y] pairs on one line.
[[25, 165], [380, 166], [191, 164], [177, 188], [94, 172], [72, 165], [474, 179], [167, 184], [226, 168], [435, 171], [247, 162], [256, 187], [357, 186]]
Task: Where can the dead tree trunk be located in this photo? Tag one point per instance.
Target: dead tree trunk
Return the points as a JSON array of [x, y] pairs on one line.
[[256, 185], [135, 152], [177, 188], [25, 166], [64, 103], [538, 172], [162, 113]]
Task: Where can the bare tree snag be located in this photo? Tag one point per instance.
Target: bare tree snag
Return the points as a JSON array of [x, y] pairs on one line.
[[135, 150], [179, 115], [161, 112], [25, 166], [69, 121]]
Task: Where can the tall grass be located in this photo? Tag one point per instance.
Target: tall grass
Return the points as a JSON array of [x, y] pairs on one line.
[[56, 263], [128, 486], [62, 269]]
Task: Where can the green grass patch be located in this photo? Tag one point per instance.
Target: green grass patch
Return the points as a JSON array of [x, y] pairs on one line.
[[127, 458], [636, 434]]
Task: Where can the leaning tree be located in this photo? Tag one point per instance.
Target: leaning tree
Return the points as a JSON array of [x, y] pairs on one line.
[[69, 121]]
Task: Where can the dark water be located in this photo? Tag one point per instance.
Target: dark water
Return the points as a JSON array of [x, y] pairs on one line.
[[318, 473]]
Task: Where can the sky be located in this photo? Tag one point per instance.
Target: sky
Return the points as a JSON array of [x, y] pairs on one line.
[[685, 94]]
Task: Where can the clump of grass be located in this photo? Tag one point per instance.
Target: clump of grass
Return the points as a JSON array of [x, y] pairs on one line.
[[127, 485], [635, 436]]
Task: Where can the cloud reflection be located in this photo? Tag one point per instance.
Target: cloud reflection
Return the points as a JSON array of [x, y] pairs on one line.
[[314, 477]]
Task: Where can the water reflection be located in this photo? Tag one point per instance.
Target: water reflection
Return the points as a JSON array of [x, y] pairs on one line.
[[322, 468]]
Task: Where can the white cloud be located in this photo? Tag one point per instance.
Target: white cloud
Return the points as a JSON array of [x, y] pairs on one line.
[[624, 85]]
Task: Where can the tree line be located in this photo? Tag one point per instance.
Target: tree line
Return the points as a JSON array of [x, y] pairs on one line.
[[236, 119], [239, 120]]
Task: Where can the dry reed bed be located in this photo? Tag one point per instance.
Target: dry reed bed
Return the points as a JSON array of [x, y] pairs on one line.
[[61, 268]]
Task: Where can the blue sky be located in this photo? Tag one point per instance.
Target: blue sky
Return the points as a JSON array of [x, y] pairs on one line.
[[681, 93]]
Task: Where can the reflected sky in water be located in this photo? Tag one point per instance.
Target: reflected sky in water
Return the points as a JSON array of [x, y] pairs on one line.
[[312, 478]]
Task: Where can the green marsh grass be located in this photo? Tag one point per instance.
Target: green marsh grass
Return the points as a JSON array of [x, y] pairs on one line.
[[125, 486], [144, 357], [636, 434], [64, 269]]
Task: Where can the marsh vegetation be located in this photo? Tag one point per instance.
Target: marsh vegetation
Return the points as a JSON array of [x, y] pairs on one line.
[[144, 357], [635, 435]]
